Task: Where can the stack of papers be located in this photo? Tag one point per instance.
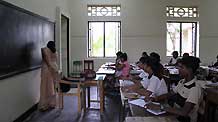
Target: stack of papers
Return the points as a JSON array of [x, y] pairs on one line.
[[142, 103], [138, 102], [126, 83]]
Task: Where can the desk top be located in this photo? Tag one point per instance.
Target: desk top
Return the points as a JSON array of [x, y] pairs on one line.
[[210, 68], [105, 71], [172, 70], [151, 119]]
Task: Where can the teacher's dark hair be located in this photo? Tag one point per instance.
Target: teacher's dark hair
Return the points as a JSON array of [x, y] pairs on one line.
[[51, 46]]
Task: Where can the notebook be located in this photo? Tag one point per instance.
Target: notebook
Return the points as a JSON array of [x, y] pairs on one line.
[[142, 103]]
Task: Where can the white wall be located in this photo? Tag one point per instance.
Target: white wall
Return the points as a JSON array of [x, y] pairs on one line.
[[208, 30], [21, 92], [143, 26]]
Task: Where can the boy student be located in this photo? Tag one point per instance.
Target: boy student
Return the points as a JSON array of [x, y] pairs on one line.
[[174, 59], [153, 84], [185, 98]]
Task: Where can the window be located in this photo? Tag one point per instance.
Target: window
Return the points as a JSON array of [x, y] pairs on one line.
[[182, 37], [173, 11], [103, 39], [104, 10]]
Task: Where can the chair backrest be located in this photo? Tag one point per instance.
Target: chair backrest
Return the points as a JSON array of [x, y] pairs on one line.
[[88, 65], [77, 66], [166, 77]]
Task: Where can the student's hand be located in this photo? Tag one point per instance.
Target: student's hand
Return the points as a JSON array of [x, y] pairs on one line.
[[125, 89], [152, 106], [148, 99]]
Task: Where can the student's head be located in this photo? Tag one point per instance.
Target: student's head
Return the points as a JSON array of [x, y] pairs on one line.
[[118, 54], [144, 54], [51, 46], [185, 55], [141, 62], [151, 65], [155, 56], [175, 54], [188, 66], [123, 57]]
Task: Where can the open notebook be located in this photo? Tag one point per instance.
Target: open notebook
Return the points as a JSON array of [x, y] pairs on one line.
[[142, 103]]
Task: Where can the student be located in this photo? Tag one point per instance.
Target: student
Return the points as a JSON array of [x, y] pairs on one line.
[[143, 74], [123, 66], [185, 55], [118, 54], [144, 54], [174, 59], [186, 96], [153, 84], [216, 64], [156, 56], [139, 79]]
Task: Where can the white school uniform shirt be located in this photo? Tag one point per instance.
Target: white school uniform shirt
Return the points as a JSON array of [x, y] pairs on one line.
[[174, 60], [143, 74], [155, 85], [192, 92]]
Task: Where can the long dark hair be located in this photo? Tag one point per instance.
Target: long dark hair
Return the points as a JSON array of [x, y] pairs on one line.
[[51, 46], [155, 66]]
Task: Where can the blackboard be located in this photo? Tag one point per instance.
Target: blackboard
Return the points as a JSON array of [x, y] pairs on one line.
[[22, 35]]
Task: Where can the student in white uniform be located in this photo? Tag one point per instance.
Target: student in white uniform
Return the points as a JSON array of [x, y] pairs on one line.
[[138, 79], [174, 59], [153, 84], [187, 95]]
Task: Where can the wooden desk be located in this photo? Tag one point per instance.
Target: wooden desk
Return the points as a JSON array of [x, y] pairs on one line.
[[99, 82], [211, 102]]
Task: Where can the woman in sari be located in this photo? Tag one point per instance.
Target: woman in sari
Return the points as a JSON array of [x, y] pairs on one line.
[[49, 75]]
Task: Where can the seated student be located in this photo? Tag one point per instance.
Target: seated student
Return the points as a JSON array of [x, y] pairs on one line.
[[140, 66], [185, 55], [157, 57], [138, 79], [144, 54], [216, 64], [118, 54], [153, 84], [174, 59], [123, 66], [186, 96]]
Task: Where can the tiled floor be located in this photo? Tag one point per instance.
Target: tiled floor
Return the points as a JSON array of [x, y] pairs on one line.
[[69, 113]]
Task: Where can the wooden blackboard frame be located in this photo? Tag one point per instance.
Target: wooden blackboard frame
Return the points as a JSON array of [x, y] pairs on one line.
[[34, 15]]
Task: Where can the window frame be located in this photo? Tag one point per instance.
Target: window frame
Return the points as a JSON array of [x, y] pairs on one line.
[[180, 38], [88, 40]]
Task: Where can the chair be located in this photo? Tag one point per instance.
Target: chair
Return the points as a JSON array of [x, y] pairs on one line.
[[88, 65], [166, 77], [78, 91], [77, 69]]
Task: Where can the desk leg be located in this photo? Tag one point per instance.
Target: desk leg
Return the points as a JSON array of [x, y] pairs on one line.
[[101, 97], [84, 99], [88, 92], [206, 116]]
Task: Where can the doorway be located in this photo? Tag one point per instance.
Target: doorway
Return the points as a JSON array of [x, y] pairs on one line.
[[65, 45]]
